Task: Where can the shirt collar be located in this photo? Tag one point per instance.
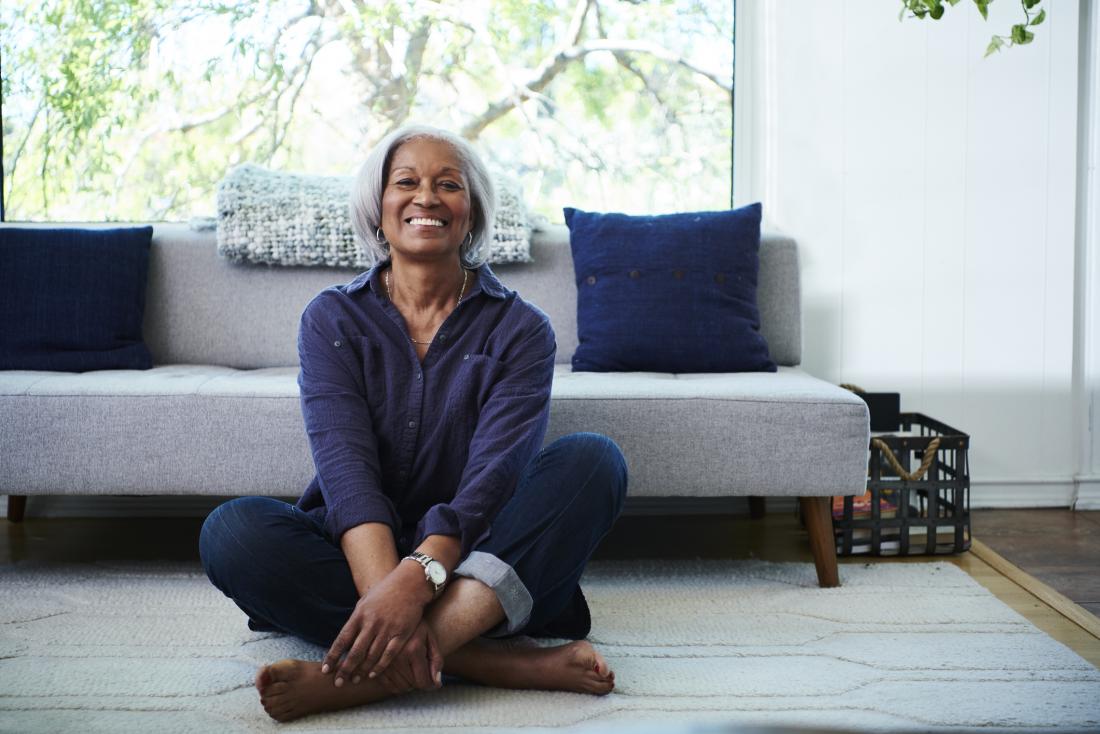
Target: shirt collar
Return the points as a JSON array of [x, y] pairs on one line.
[[487, 281]]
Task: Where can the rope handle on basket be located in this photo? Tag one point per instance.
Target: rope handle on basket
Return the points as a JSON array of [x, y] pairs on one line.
[[929, 451]]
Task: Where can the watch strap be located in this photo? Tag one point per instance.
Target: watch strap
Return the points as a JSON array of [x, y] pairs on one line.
[[424, 559]]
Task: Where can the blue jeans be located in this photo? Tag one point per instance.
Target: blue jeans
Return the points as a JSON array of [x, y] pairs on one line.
[[286, 573]]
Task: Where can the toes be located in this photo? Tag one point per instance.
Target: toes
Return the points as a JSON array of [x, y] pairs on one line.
[[263, 679], [274, 690], [600, 687], [279, 711], [599, 664]]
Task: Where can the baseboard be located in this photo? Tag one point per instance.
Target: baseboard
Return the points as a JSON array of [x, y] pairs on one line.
[[1014, 493], [1088, 493]]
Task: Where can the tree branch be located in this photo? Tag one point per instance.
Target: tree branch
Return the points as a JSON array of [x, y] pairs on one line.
[[305, 67], [23, 144], [551, 67]]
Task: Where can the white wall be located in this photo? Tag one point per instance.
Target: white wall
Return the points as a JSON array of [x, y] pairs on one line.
[[933, 195]]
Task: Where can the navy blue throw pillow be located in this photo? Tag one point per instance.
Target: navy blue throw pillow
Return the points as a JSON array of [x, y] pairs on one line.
[[73, 300], [668, 293]]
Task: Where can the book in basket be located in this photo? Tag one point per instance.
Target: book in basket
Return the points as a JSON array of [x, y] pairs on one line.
[[861, 506]]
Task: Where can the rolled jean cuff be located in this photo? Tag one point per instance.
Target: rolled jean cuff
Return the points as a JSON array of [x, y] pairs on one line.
[[505, 583]]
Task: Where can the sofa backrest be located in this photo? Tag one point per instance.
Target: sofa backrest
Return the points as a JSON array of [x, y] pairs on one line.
[[202, 309]]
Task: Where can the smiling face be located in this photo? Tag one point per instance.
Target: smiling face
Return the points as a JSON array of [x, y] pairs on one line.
[[426, 210]]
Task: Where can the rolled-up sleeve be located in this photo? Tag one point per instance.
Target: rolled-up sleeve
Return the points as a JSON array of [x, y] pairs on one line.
[[510, 429], [338, 424]]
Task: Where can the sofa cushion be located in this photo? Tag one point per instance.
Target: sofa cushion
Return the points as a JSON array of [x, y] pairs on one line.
[[783, 433], [195, 429], [668, 293], [170, 430], [73, 299]]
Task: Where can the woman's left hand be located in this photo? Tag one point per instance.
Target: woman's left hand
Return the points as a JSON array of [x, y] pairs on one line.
[[378, 628]]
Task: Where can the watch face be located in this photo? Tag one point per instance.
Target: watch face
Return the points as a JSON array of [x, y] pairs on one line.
[[436, 572]]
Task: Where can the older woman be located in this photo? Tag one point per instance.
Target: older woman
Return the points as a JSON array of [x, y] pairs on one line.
[[434, 521]]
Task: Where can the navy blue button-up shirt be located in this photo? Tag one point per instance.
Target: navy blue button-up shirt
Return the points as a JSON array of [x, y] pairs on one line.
[[429, 448]]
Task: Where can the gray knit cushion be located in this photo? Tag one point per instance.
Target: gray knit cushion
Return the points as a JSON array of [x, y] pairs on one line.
[[296, 219]]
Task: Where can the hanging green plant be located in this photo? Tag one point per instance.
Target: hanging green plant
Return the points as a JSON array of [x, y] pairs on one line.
[[1019, 36]]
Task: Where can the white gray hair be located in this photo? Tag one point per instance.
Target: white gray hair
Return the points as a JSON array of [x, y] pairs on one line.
[[366, 194]]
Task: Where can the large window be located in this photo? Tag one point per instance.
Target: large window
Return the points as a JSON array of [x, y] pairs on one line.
[[135, 109]]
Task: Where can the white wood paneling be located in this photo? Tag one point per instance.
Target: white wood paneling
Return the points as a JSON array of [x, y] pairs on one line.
[[945, 130], [806, 152], [933, 194]]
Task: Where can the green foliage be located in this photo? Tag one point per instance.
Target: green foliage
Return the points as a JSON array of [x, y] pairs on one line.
[[1019, 35], [135, 109]]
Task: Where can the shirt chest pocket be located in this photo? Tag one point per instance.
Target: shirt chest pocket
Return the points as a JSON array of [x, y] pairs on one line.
[[473, 382]]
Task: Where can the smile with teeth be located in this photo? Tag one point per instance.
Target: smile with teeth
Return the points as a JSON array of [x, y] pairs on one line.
[[427, 222]]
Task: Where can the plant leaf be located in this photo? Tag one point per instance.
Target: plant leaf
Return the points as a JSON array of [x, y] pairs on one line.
[[1039, 18], [1021, 35], [983, 8], [994, 46]]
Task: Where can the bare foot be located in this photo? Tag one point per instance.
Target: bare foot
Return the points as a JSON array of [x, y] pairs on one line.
[[290, 689], [575, 667]]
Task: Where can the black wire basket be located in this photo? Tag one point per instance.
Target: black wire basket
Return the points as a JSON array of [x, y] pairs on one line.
[[918, 494]]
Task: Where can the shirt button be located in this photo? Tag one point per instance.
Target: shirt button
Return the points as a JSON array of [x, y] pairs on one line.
[[465, 356], [336, 343], [720, 278], [635, 274], [420, 375], [678, 274], [442, 337], [412, 424], [591, 280]]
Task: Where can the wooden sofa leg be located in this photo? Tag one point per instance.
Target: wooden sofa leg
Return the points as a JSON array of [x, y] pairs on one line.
[[817, 513], [758, 507], [17, 505]]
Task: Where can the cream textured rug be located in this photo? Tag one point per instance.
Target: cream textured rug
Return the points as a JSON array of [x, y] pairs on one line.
[[154, 648]]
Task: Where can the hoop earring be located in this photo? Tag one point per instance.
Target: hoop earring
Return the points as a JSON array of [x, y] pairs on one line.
[[380, 236]]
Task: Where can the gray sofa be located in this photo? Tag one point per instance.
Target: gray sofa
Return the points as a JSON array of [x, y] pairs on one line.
[[218, 414]]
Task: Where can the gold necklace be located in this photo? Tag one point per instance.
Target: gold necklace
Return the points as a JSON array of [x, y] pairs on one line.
[[461, 291]]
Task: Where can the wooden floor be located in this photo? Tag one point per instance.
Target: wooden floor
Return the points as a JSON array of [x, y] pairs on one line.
[[1060, 548]]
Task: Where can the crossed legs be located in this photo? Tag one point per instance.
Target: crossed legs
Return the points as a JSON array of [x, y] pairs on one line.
[[277, 565], [290, 689]]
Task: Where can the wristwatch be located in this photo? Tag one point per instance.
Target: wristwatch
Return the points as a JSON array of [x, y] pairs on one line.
[[434, 571]]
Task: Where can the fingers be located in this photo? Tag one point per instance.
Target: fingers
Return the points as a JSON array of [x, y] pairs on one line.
[[420, 666], [366, 648], [435, 660], [347, 636], [394, 682], [392, 648]]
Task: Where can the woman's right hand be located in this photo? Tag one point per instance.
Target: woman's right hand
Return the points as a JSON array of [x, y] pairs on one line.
[[379, 626], [418, 666]]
